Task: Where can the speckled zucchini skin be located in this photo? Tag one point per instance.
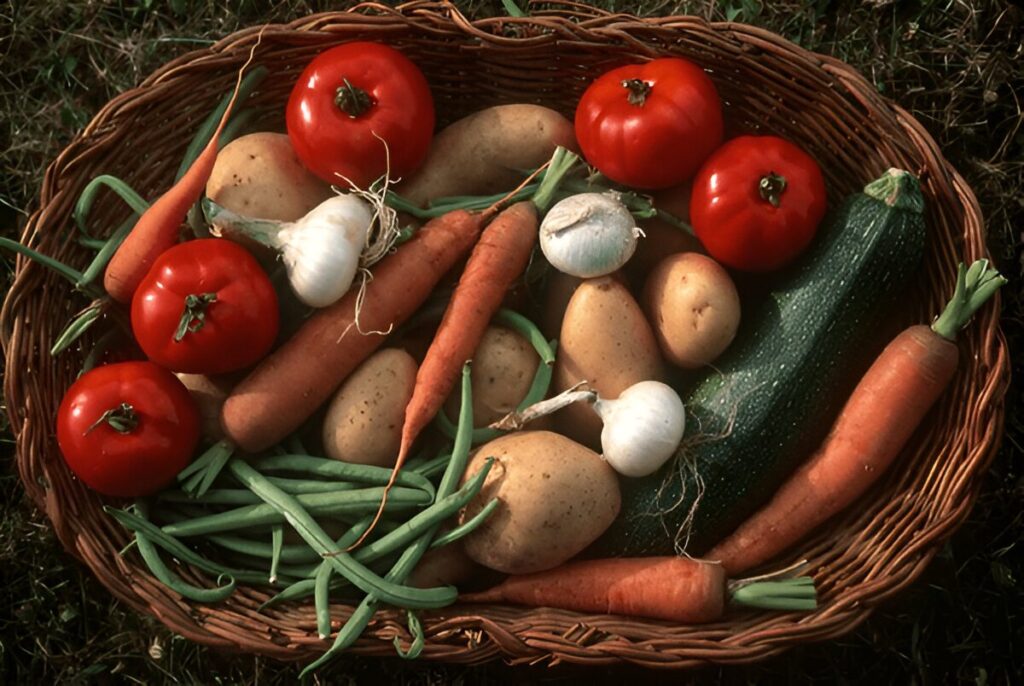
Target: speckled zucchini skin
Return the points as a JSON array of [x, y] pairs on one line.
[[778, 388]]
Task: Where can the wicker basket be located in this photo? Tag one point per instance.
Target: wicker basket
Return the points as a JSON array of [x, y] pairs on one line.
[[767, 83]]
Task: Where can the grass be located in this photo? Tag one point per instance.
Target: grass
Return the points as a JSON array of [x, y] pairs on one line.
[[957, 65]]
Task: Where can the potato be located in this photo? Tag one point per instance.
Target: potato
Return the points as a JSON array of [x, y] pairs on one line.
[[487, 151], [209, 394], [259, 175], [694, 307], [503, 368], [661, 237], [556, 497], [606, 342], [364, 419], [442, 567], [558, 291]]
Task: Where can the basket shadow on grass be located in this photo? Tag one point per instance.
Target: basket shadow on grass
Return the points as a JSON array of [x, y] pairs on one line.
[[952, 65]]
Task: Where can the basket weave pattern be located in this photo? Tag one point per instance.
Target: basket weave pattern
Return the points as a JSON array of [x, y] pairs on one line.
[[766, 83]]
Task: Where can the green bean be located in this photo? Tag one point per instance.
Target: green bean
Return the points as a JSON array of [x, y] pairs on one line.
[[204, 460], [302, 486], [209, 125], [239, 120], [401, 535], [411, 556], [151, 556], [82, 322], [177, 549], [541, 379], [320, 504], [290, 554], [360, 576], [286, 572], [201, 481], [301, 589], [69, 273], [94, 243], [335, 469], [397, 202], [418, 638], [276, 543], [425, 521], [416, 460], [347, 635], [110, 246], [243, 496], [91, 190], [432, 468], [466, 528], [321, 600]]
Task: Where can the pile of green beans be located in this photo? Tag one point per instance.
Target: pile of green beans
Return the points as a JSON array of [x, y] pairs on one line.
[[241, 516]]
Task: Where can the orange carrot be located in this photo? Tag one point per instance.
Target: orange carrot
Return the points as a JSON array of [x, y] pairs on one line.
[[498, 259], [157, 228], [288, 386], [677, 589], [881, 414]]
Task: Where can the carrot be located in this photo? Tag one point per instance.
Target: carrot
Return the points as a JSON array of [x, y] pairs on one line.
[[883, 411], [288, 386], [157, 228], [498, 259], [677, 589]]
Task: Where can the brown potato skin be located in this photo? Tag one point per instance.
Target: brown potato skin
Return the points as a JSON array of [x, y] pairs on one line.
[[259, 175], [363, 423], [694, 307], [504, 365], [556, 497], [661, 237], [487, 151], [449, 565], [606, 341], [209, 392]]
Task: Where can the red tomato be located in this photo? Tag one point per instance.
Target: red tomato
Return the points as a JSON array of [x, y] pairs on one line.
[[650, 125], [127, 429], [347, 100], [757, 202], [205, 307]]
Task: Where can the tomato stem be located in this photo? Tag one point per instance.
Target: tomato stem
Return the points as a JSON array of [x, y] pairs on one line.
[[121, 419], [771, 187], [638, 91], [194, 315], [352, 100]]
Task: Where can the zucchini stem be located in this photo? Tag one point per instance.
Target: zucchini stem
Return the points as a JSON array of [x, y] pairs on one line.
[[898, 189]]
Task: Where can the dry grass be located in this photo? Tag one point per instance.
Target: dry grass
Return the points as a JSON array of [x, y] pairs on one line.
[[957, 65]]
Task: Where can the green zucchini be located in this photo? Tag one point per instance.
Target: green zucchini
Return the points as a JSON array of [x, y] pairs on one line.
[[774, 394]]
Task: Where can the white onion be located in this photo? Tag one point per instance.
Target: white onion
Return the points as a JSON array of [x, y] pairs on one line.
[[321, 251], [642, 427], [588, 235]]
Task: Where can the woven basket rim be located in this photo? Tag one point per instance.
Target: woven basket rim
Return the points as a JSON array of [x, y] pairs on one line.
[[566, 21]]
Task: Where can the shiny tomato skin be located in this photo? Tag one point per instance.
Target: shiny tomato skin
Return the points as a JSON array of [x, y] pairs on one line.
[[740, 228], [332, 144], [239, 326], [660, 143], [147, 458]]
